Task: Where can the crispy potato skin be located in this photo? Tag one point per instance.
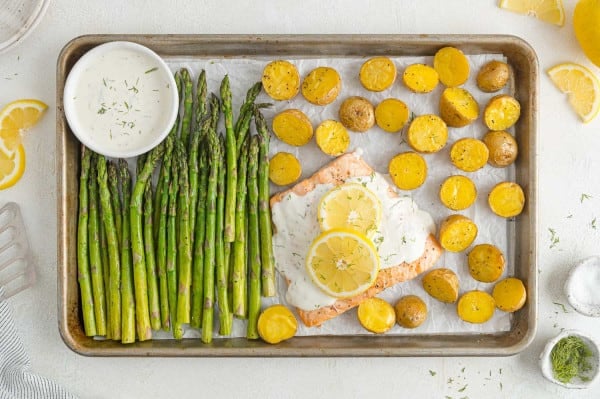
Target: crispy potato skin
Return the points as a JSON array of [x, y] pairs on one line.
[[493, 76], [442, 284], [503, 148], [321, 86], [357, 114], [411, 311], [281, 80], [476, 307]]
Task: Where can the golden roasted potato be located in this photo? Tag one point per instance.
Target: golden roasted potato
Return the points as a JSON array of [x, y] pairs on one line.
[[501, 112], [457, 232], [357, 114], [281, 80], [442, 284], [469, 154], [408, 170], [458, 107], [507, 199], [292, 127], [276, 323], [377, 74], [486, 263], [284, 168], [321, 86], [493, 76], [420, 78], [411, 311], [376, 315], [509, 294], [332, 137], [391, 115], [427, 133], [502, 146], [452, 66], [458, 192], [476, 307]]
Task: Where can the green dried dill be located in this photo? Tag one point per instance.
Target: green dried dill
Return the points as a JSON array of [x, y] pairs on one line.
[[570, 358]]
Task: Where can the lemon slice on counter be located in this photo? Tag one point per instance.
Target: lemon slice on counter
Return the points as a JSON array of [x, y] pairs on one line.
[[350, 206], [342, 263], [15, 118], [11, 167], [551, 11], [581, 85]]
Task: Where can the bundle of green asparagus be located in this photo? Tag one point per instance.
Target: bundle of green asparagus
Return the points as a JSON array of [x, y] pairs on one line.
[[190, 235]]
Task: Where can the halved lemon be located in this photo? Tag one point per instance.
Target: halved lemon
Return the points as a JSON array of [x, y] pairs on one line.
[[342, 263], [15, 118], [12, 167], [352, 206], [551, 11], [581, 85]]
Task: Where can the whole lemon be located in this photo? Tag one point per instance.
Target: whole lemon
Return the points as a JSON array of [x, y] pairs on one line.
[[586, 21]]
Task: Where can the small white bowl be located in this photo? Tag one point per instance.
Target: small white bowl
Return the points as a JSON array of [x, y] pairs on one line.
[[582, 287], [120, 99], [576, 382]]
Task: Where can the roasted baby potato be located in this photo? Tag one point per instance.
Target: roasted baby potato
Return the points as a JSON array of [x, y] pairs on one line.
[[507, 199], [458, 107], [321, 86], [427, 133], [457, 232], [476, 307], [391, 115], [493, 76], [503, 148], [281, 80], [357, 114], [411, 311], [292, 127], [501, 112], [376, 315], [276, 323], [452, 66], [509, 294], [486, 263], [284, 169], [469, 154], [458, 192], [377, 74], [442, 284], [420, 78], [332, 137], [408, 170]]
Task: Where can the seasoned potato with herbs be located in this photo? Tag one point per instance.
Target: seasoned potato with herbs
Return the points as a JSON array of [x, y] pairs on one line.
[[442, 284], [391, 115], [408, 170], [469, 154], [493, 76], [427, 133], [377, 74], [420, 78], [503, 148], [458, 107], [486, 263], [476, 307], [281, 80], [458, 192], [411, 311], [457, 232], [293, 127], [321, 86], [509, 294], [507, 199], [376, 315], [452, 66], [284, 169], [332, 137], [357, 114], [276, 323], [501, 112]]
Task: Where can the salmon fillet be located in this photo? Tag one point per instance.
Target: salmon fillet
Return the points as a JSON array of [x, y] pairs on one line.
[[337, 172]]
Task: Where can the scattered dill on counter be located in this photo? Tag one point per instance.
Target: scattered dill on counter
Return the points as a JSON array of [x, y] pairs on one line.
[[570, 358], [584, 197]]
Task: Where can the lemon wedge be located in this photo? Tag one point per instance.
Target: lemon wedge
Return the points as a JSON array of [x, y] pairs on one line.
[[12, 167], [17, 117], [351, 206], [342, 263], [582, 87], [587, 29], [551, 11]]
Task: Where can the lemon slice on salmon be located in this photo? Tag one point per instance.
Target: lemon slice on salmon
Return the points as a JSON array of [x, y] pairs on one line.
[[11, 167]]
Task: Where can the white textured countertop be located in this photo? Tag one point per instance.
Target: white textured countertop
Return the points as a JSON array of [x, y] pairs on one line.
[[568, 169]]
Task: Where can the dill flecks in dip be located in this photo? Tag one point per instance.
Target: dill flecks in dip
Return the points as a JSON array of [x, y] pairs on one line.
[[570, 358]]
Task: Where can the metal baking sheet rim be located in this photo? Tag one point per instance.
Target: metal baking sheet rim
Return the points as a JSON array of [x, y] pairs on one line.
[[524, 63]]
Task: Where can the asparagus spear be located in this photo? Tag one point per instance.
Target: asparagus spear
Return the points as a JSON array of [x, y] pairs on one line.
[[172, 249], [127, 297], [104, 258], [184, 251], [115, 198], [96, 269], [264, 213], [188, 102], [238, 274], [198, 256], [83, 264], [242, 124], [137, 245], [231, 161], [148, 233], [114, 258], [253, 244], [200, 110]]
